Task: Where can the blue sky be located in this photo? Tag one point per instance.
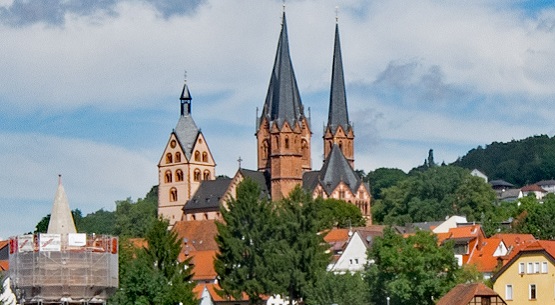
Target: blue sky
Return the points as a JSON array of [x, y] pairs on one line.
[[89, 89]]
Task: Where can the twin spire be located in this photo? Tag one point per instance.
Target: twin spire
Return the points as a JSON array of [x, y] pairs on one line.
[[283, 102]]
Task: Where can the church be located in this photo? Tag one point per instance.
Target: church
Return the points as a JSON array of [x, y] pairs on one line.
[[188, 187]]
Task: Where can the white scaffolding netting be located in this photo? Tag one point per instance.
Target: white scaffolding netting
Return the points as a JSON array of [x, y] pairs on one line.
[[63, 268]]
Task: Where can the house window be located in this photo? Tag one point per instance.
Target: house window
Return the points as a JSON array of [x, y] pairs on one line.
[[532, 292], [196, 175], [169, 158], [206, 175], [168, 177], [173, 194], [544, 267], [509, 292], [537, 267], [486, 301], [521, 268], [530, 268], [286, 143], [177, 157], [204, 157], [356, 261], [179, 175], [197, 156]]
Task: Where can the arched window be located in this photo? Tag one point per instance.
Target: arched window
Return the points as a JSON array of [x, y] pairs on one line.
[[204, 157], [265, 147], [341, 145], [179, 175], [173, 194], [197, 156], [286, 143], [169, 158], [177, 157], [206, 175], [196, 175], [168, 177], [304, 149]]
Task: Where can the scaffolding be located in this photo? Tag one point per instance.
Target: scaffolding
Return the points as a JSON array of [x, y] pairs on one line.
[[72, 268]]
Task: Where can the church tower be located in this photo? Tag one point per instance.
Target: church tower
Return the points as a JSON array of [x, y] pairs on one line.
[[185, 163], [283, 132], [338, 130]]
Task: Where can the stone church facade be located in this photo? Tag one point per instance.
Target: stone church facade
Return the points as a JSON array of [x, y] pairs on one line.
[[283, 150]]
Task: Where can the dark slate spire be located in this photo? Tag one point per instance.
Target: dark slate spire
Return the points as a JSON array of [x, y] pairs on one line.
[[185, 99], [283, 102], [338, 114]]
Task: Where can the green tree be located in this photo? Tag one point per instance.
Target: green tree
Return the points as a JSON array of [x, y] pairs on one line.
[[244, 239], [153, 275], [433, 194], [412, 270], [133, 219], [337, 213], [300, 256], [533, 217], [383, 178], [340, 289], [99, 222]]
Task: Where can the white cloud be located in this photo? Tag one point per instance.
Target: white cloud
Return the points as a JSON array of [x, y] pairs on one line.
[[94, 175]]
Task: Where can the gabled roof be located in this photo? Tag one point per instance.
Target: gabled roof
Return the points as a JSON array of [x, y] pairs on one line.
[[338, 114], [336, 169], [546, 247], [533, 188], [483, 257], [261, 178], [515, 240], [203, 264], [208, 196], [500, 183], [546, 183], [462, 294], [197, 235], [283, 101], [336, 234]]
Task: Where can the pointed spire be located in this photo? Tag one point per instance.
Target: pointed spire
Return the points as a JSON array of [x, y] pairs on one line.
[[338, 114], [61, 219], [185, 99], [283, 101]]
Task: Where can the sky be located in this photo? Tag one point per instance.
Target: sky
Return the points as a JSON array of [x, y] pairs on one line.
[[90, 89]]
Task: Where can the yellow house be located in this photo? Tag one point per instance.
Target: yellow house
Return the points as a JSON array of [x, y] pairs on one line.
[[529, 276]]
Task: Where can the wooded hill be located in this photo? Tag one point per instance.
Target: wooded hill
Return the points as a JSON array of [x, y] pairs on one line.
[[519, 162]]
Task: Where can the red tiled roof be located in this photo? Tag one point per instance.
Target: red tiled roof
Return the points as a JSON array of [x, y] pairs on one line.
[[199, 235], [463, 232], [514, 240], [533, 188], [4, 265], [483, 259], [203, 264], [462, 294], [4, 243], [337, 235]]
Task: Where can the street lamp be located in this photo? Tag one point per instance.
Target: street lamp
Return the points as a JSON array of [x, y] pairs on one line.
[[387, 298]]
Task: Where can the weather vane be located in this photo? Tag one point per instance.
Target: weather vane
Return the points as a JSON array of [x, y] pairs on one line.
[[336, 14], [239, 161], [185, 75]]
